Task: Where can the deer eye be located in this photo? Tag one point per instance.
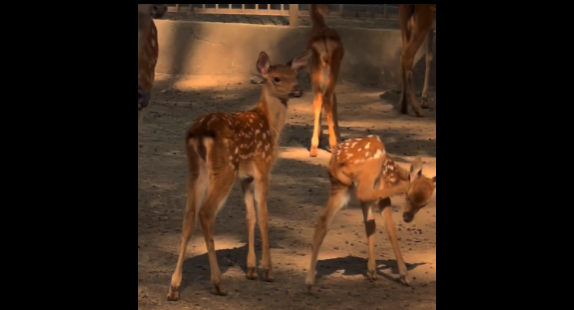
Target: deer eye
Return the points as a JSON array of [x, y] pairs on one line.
[[277, 79]]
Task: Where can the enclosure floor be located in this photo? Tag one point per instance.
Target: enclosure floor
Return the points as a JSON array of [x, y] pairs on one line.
[[299, 190]]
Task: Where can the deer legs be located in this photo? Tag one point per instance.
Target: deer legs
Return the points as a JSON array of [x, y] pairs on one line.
[[217, 194], [428, 59], [410, 48], [387, 213], [255, 192], [338, 200]]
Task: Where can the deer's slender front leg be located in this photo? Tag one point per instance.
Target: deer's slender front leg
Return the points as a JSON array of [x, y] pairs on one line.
[[339, 199], [392, 233], [428, 58], [261, 191], [370, 229], [248, 192]]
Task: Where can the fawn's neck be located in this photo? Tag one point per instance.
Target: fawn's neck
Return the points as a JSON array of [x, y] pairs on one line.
[[274, 110]]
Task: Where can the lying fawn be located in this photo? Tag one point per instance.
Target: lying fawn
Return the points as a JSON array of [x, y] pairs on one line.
[[364, 165], [147, 52], [223, 147], [417, 23], [324, 69]]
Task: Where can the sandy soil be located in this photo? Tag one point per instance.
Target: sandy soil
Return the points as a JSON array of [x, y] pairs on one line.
[[299, 189]]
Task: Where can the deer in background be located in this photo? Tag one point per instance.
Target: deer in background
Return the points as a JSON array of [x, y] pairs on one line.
[[223, 147], [363, 165], [148, 51], [417, 23], [324, 69]]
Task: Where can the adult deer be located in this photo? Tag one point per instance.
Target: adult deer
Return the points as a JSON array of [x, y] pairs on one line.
[[363, 164], [417, 23], [223, 147], [324, 69], [147, 52]]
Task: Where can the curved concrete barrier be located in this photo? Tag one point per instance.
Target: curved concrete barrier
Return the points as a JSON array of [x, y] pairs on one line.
[[201, 48]]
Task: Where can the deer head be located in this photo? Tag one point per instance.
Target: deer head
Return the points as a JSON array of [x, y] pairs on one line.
[[420, 191], [281, 80], [157, 11]]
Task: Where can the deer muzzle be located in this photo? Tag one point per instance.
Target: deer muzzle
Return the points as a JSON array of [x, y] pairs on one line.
[[297, 91]]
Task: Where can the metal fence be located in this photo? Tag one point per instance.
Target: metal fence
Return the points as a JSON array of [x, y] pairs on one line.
[[384, 11]]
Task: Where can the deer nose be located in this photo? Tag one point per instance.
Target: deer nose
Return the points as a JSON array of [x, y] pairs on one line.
[[407, 217], [143, 98], [297, 91]]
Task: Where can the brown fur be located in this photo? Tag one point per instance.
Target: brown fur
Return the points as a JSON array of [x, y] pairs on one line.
[[363, 165], [148, 51], [324, 69], [417, 23], [223, 147]]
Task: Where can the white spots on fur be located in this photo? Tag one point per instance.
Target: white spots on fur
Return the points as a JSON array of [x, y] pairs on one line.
[[368, 146], [378, 154], [264, 136]]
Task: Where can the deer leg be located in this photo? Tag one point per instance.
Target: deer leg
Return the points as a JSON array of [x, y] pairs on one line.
[[248, 192], [218, 193], [392, 233], [330, 111], [261, 190], [370, 228], [367, 194], [317, 129], [407, 61], [339, 199], [428, 59], [195, 193]]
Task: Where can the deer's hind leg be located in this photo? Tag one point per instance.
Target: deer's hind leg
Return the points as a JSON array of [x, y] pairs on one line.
[[330, 105], [316, 80], [339, 198], [222, 177], [370, 229], [428, 59]]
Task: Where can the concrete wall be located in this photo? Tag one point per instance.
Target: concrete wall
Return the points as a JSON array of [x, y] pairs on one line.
[[197, 48]]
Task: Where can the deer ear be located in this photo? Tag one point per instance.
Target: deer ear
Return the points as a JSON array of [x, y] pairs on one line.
[[416, 169], [263, 64], [300, 61]]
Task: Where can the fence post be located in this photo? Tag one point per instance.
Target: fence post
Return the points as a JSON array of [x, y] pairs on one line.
[[293, 15]]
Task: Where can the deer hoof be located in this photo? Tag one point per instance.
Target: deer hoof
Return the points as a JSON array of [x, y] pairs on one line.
[[424, 103], [267, 275], [313, 152], [173, 294], [251, 273], [372, 275], [220, 289], [404, 280]]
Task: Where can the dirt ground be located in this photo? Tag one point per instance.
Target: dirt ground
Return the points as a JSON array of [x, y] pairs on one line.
[[299, 190]]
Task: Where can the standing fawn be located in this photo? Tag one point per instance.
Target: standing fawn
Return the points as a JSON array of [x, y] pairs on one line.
[[147, 52], [417, 23], [324, 69], [363, 164], [224, 147]]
